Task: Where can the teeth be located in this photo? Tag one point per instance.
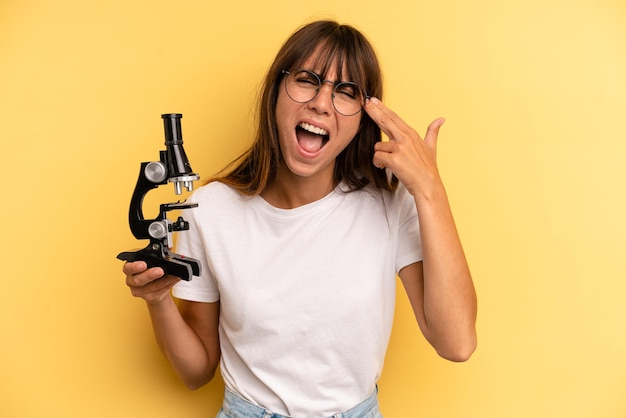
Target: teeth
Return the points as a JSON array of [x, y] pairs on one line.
[[313, 129]]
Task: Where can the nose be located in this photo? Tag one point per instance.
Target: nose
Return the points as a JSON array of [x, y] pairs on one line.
[[323, 100]]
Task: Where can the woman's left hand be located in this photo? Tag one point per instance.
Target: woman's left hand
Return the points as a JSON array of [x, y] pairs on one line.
[[412, 159]]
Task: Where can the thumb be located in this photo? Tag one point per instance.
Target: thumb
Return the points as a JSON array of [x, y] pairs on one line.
[[432, 133], [433, 130]]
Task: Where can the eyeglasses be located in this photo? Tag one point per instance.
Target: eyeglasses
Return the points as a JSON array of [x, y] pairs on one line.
[[302, 86]]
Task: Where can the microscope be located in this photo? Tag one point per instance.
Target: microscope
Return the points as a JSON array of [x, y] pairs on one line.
[[173, 167]]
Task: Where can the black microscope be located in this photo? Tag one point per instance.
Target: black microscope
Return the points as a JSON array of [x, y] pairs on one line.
[[173, 167]]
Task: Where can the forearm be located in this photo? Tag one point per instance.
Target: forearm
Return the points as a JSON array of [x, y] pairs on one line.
[[449, 298], [181, 345]]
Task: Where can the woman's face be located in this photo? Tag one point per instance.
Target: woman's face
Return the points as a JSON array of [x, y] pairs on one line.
[[313, 134]]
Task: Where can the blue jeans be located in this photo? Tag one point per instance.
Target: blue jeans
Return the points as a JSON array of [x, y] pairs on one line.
[[236, 407]]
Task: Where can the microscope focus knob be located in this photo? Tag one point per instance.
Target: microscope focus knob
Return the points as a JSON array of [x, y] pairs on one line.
[[156, 172], [157, 230]]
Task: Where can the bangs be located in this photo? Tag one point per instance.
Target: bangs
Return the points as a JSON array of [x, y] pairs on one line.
[[339, 49], [336, 57]]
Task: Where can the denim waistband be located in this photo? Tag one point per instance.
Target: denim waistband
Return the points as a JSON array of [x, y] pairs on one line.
[[236, 407]]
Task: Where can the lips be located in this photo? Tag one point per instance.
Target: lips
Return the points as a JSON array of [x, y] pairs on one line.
[[311, 138]]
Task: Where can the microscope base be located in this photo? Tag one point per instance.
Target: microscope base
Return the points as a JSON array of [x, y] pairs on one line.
[[173, 264]]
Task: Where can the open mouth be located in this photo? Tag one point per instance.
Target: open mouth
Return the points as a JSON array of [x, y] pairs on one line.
[[311, 138]]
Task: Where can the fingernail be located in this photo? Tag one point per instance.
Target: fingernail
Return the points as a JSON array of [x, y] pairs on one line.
[[374, 100]]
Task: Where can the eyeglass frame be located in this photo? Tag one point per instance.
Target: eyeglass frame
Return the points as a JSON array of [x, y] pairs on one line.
[[319, 85]]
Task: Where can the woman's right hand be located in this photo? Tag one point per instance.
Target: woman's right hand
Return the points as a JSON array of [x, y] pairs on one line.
[[149, 284]]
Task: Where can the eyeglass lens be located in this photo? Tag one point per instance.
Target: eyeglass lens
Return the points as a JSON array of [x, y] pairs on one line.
[[302, 86]]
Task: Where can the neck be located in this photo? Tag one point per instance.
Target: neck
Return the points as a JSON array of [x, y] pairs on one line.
[[289, 191]]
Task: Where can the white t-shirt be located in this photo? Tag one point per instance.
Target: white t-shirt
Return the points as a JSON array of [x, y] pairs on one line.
[[307, 294]]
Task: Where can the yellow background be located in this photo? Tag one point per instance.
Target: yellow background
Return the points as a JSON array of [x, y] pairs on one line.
[[533, 150]]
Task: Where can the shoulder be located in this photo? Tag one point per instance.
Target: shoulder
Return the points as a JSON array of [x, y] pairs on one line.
[[399, 204], [398, 198], [401, 194], [216, 191], [217, 201]]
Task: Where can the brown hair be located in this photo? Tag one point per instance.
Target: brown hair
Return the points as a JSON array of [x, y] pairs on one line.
[[339, 46]]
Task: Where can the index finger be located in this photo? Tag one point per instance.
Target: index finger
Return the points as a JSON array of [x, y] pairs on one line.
[[134, 267], [387, 120], [141, 277]]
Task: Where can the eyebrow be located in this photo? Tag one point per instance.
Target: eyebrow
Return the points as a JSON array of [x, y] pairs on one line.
[[323, 78]]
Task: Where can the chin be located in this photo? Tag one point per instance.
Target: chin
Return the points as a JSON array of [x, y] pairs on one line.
[[309, 169]]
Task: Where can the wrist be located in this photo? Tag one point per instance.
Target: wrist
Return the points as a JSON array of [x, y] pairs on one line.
[[162, 301], [432, 195]]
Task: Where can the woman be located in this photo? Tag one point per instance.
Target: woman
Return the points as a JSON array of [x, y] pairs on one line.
[[301, 242]]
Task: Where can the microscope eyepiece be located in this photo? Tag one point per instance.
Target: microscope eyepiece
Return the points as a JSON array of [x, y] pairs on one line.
[[179, 169]]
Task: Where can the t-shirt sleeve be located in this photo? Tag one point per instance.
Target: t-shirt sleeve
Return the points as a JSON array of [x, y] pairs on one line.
[[191, 243], [409, 248]]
